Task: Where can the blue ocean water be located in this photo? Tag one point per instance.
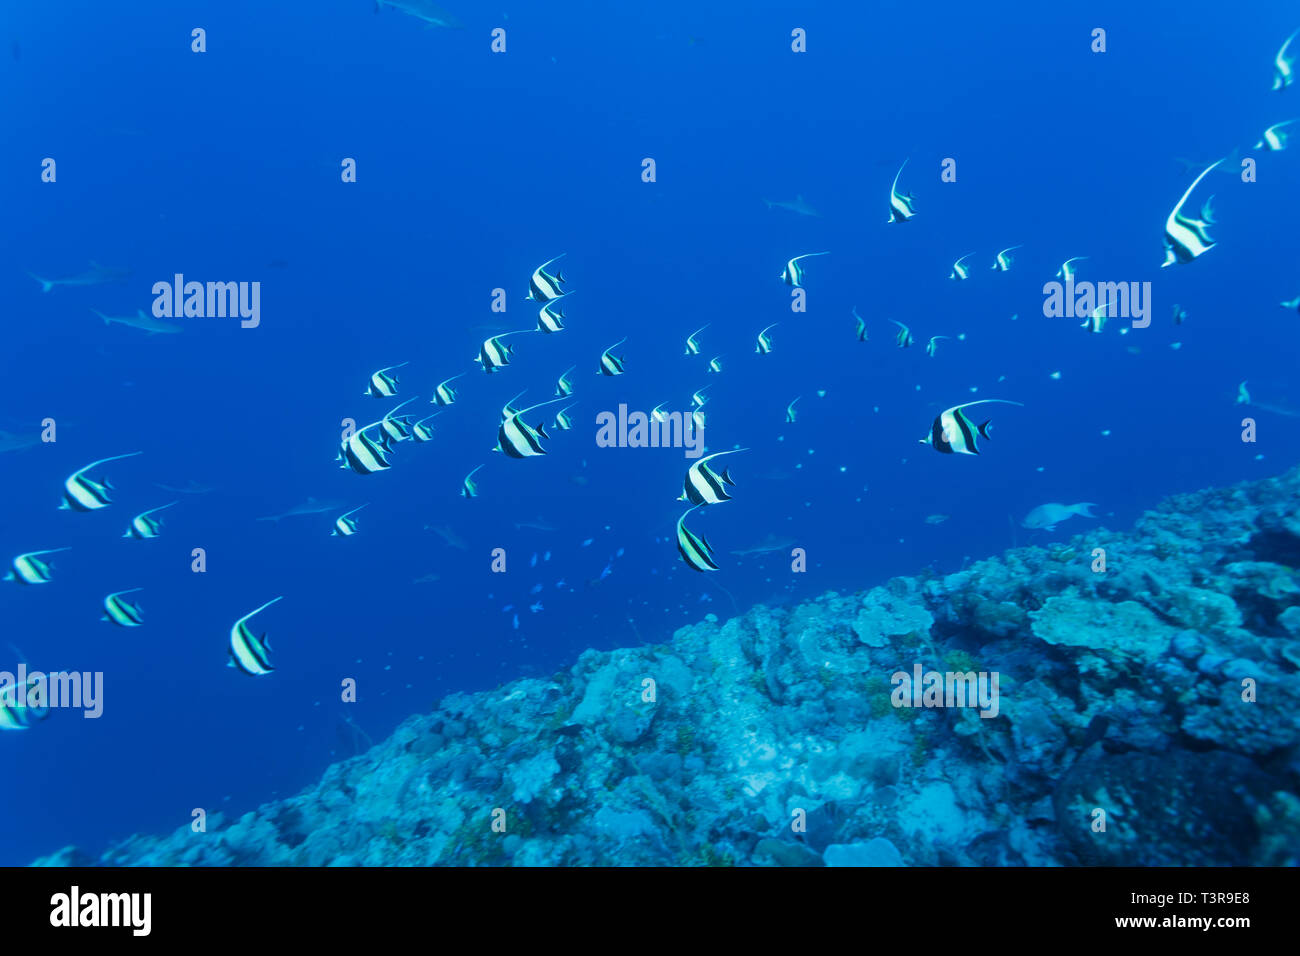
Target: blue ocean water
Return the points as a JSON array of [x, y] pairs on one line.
[[473, 168]]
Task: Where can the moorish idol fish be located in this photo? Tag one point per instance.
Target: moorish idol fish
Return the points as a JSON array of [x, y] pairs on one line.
[[363, 454], [904, 337], [344, 524], [1274, 138], [933, 345], [1293, 304], [764, 340], [549, 319], [82, 494], [698, 399], [395, 429], [657, 414], [1002, 262], [1180, 315], [1096, 319], [494, 354], [1283, 66], [544, 287], [1068, 271], [1185, 238], [862, 326], [29, 569], [900, 207], [790, 413], [383, 385], [960, 271], [122, 613], [1243, 396], [517, 439], [422, 432], [468, 488], [563, 386], [692, 346], [792, 274], [609, 364], [16, 715], [953, 433], [715, 364], [562, 421], [247, 651], [695, 551], [703, 485], [444, 394], [142, 526], [697, 416]]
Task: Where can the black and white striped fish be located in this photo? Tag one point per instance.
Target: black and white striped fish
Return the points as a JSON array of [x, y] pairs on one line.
[[122, 613], [1275, 139], [562, 421], [143, 526], [383, 385], [692, 346], [953, 432], [1284, 66], [18, 714], [1186, 238], [1096, 319], [395, 429], [564, 385], [790, 413], [933, 345], [695, 550], [468, 487], [698, 399], [517, 439], [904, 337], [658, 414], [494, 354], [901, 207], [715, 364], [83, 494], [421, 431], [861, 330], [28, 568], [363, 454], [610, 364], [792, 274], [544, 287], [764, 340], [1002, 262], [1067, 272], [444, 394], [960, 271], [247, 651], [550, 318], [345, 524], [704, 486]]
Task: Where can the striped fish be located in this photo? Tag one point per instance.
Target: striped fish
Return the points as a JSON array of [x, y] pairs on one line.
[[861, 330], [764, 340], [82, 494], [610, 364], [363, 454], [422, 432], [383, 385], [1096, 319], [704, 486], [563, 385], [1274, 137], [550, 318], [395, 429], [544, 287], [345, 524], [715, 364], [143, 526], [1185, 238], [698, 399], [468, 489], [122, 613], [1067, 271], [562, 421], [517, 439], [697, 417], [953, 432], [1292, 304], [1002, 261], [695, 551], [900, 206], [790, 414], [692, 346], [509, 408], [933, 345], [904, 337], [658, 414], [792, 274], [28, 568], [18, 715], [247, 651], [444, 394], [1284, 66], [960, 271], [494, 354]]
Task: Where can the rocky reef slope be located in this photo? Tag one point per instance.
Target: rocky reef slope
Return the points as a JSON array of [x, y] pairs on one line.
[[1152, 691]]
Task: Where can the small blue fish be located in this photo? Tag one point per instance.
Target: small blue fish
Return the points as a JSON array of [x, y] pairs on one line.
[[516, 622], [535, 607], [537, 589], [560, 583], [609, 569], [533, 562], [546, 556], [507, 609], [618, 553], [587, 542]]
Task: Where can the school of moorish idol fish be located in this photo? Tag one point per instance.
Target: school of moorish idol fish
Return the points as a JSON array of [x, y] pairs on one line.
[[369, 449]]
